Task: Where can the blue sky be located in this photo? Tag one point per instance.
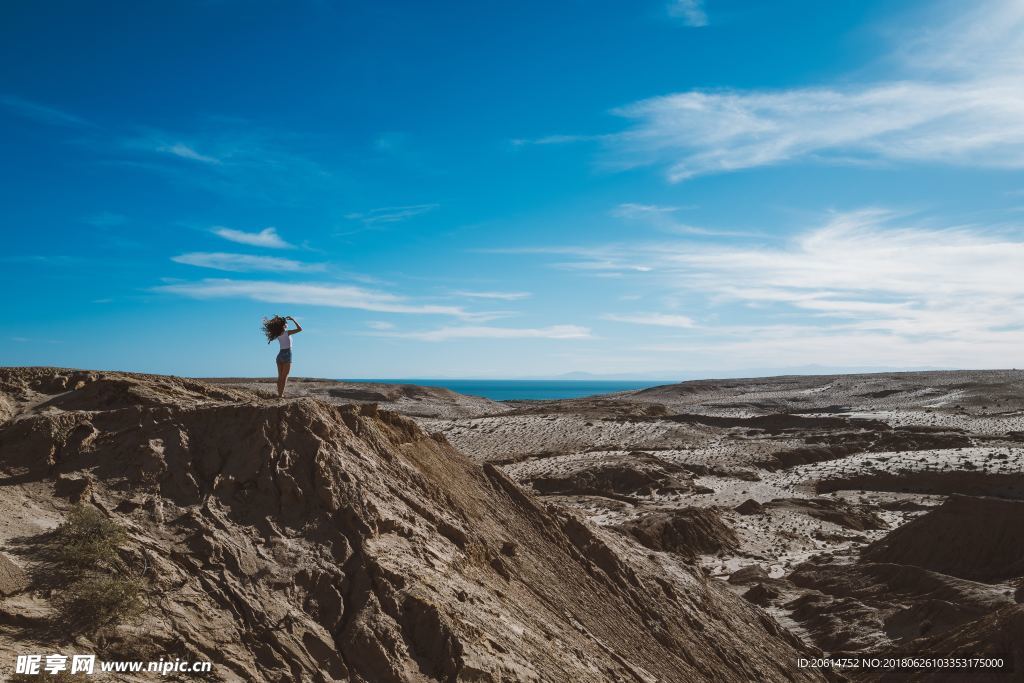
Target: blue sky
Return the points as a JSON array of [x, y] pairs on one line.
[[506, 189]]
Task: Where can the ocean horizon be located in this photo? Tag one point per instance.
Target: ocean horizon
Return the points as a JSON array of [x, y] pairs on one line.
[[527, 389]]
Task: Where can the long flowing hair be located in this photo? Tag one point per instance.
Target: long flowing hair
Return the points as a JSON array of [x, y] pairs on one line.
[[273, 327]]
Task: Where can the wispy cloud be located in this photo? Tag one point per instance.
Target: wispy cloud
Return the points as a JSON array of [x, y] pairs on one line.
[[183, 151], [691, 12], [309, 293], [484, 332], [977, 122], [390, 214], [501, 296], [603, 268], [634, 210], [267, 237], [245, 263], [601, 260], [917, 292], [865, 268], [965, 109], [42, 113], [657, 319], [161, 143], [229, 157], [664, 218], [955, 99], [380, 325], [555, 140]]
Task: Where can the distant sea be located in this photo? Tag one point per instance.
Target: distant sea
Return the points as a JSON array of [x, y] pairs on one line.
[[526, 389]]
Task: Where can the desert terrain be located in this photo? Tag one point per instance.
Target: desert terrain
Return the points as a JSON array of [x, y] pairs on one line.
[[704, 531], [865, 513]]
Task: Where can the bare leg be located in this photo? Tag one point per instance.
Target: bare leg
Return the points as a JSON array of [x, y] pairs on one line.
[[282, 377]]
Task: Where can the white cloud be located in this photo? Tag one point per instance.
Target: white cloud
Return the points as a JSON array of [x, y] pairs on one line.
[[183, 151], [609, 266], [380, 325], [981, 35], [658, 319], [613, 260], [391, 214], [977, 122], [502, 296], [690, 11], [556, 140], [243, 263], [311, 293], [484, 332], [663, 218], [633, 210], [267, 237], [919, 295], [153, 141], [863, 254], [954, 98], [871, 287]]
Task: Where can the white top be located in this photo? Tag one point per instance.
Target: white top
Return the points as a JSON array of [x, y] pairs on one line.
[[285, 340]]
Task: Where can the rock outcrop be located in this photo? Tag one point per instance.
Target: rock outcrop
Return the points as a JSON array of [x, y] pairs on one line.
[[687, 532], [969, 537]]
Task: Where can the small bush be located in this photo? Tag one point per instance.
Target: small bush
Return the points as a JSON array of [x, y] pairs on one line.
[[87, 540], [95, 601], [93, 585]]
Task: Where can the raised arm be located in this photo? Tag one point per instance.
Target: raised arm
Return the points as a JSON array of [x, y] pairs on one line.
[[298, 327]]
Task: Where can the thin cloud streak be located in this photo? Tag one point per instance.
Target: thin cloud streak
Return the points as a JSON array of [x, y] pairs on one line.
[[245, 263], [556, 140], [662, 218], [485, 332], [391, 214], [500, 296], [309, 293], [267, 237], [656, 319], [183, 151]]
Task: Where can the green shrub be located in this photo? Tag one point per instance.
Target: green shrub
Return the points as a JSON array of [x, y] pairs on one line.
[[95, 601], [87, 540], [94, 586]]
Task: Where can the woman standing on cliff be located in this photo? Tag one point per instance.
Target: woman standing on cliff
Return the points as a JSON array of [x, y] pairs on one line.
[[276, 328]]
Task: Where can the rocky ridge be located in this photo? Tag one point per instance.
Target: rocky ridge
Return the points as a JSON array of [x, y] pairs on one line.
[[298, 539]]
